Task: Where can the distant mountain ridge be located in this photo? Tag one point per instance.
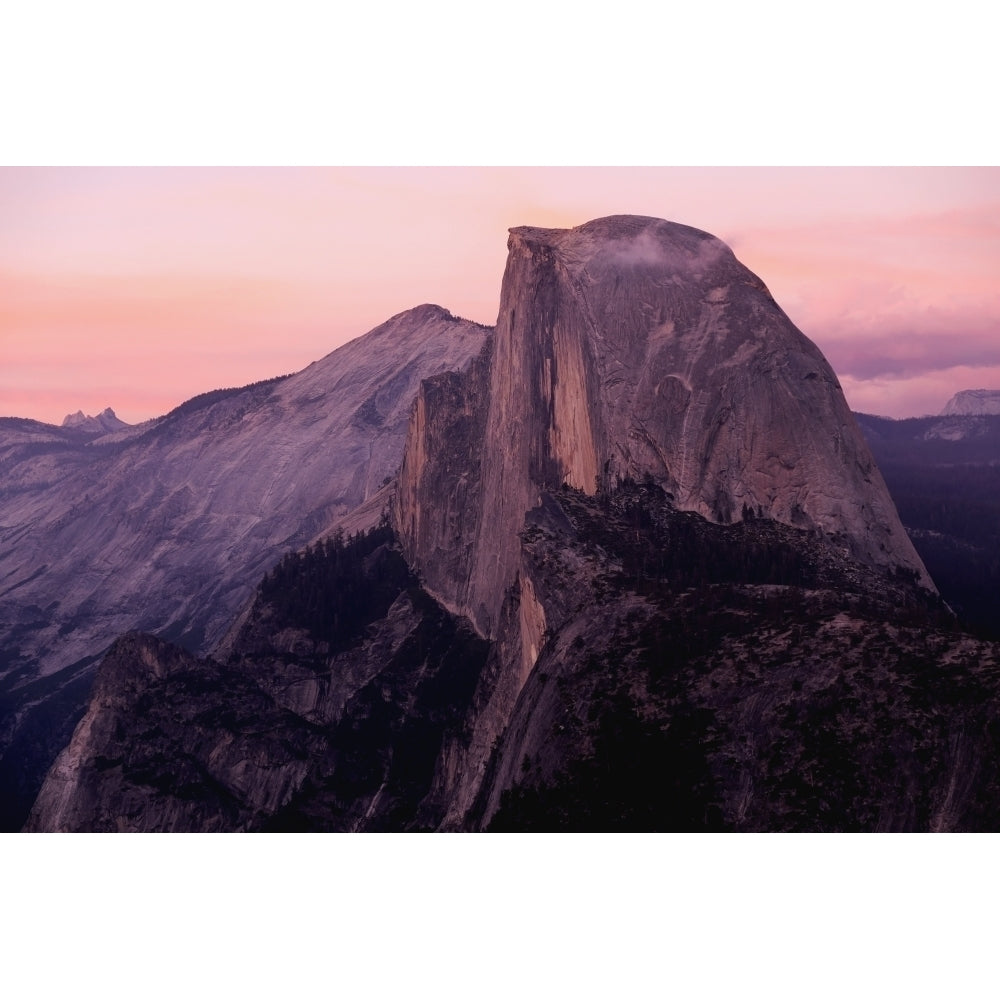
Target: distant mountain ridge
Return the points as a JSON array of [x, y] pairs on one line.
[[104, 422], [973, 402]]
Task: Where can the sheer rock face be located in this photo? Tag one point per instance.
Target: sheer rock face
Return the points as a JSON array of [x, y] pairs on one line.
[[973, 402], [633, 347], [626, 348]]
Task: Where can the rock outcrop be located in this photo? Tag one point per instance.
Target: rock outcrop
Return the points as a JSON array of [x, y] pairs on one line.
[[167, 527], [307, 724], [973, 402], [105, 422], [697, 676]]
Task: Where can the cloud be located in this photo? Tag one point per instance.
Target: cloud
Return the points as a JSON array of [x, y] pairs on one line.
[[888, 297], [910, 342], [918, 395]]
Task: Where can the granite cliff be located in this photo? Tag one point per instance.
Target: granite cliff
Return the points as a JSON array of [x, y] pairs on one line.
[[304, 724], [625, 349], [633, 347]]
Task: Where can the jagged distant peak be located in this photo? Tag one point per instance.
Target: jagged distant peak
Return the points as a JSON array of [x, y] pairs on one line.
[[105, 421], [973, 402]]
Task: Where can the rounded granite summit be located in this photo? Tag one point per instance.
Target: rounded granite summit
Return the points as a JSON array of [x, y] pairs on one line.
[[634, 243], [634, 347]]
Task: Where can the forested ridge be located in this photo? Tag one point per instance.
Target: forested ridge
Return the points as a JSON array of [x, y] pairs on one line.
[[338, 585]]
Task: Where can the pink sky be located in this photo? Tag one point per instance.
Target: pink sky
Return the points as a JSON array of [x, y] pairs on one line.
[[139, 287]]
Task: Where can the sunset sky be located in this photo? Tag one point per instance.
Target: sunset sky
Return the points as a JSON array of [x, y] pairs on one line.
[[139, 287]]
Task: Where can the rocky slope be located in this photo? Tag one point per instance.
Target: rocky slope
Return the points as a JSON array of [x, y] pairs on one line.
[[167, 527], [692, 676], [973, 402], [330, 721], [740, 677]]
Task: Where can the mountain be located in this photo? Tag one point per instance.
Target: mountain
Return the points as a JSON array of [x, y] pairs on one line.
[[973, 402], [104, 423], [168, 526], [626, 349], [639, 571], [633, 347]]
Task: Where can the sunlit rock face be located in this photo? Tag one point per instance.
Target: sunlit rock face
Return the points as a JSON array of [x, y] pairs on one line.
[[635, 347], [167, 527], [973, 402]]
